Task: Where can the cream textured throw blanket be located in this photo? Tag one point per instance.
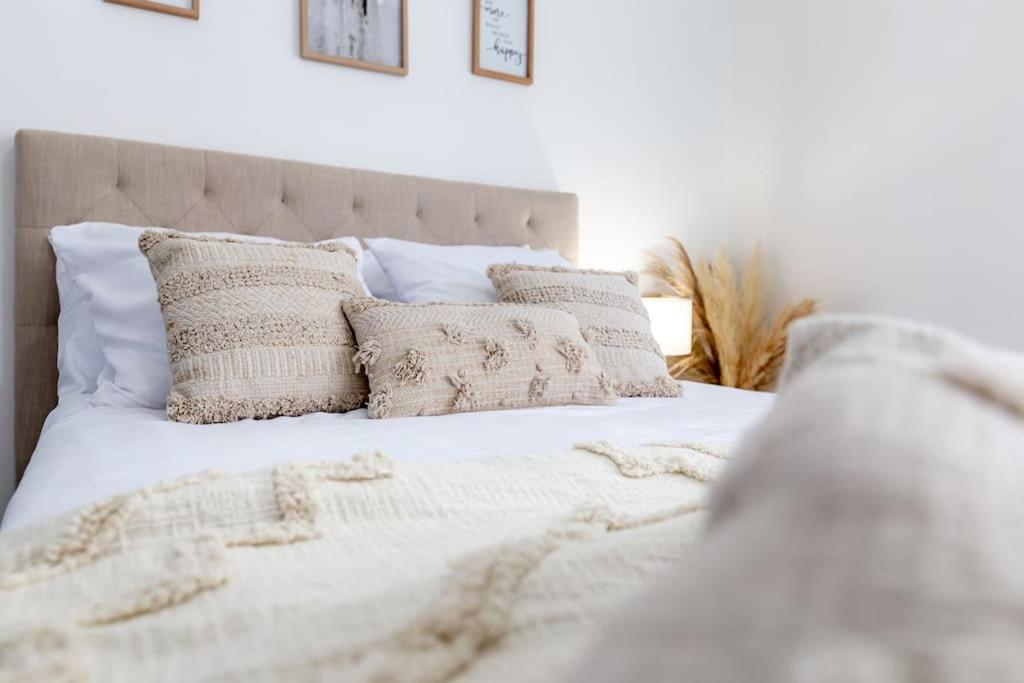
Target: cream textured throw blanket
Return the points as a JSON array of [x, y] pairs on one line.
[[355, 571], [869, 529]]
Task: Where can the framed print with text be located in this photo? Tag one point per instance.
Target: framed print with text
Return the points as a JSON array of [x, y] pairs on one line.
[[188, 9], [503, 40]]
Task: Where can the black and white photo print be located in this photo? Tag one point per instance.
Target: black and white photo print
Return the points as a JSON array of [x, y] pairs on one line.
[[366, 34]]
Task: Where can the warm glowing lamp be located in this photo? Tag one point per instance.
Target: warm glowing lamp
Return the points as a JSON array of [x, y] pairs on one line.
[[671, 323]]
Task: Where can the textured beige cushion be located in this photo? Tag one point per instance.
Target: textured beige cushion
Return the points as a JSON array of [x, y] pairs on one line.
[[255, 330], [611, 315], [434, 359]]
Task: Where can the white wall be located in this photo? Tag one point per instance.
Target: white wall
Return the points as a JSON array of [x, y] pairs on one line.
[[879, 145], [628, 108]]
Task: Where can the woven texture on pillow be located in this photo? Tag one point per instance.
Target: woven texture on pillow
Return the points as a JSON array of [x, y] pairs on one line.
[[436, 359], [610, 313], [255, 330]]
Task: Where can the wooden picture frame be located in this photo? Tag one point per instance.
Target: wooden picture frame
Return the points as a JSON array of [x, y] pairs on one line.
[[511, 45], [154, 6], [308, 52]]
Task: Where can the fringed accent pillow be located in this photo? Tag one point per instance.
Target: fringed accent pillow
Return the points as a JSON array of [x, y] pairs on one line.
[[610, 313], [255, 330], [435, 359]]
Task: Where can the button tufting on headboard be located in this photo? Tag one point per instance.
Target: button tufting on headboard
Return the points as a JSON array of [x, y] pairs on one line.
[[65, 178]]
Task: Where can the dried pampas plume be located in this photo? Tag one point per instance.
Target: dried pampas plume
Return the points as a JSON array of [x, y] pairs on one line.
[[733, 345]]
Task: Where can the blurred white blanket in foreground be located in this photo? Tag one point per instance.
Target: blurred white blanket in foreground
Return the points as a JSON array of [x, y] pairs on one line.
[[868, 530]]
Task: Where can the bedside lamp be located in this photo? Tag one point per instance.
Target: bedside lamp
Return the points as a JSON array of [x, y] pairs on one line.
[[671, 323]]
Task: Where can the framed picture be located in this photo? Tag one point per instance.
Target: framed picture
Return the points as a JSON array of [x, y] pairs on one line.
[[503, 40], [179, 8], [365, 34]]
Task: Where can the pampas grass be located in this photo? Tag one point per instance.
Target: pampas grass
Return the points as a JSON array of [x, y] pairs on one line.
[[733, 344]]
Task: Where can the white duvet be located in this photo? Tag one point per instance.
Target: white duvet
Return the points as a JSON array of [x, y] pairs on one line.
[[88, 453]]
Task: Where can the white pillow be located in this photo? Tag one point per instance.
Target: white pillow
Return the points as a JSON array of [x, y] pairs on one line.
[[79, 358], [375, 280], [422, 273], [110, 337]]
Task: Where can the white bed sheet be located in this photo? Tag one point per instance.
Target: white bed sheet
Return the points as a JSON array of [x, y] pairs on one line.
[[89, 452]]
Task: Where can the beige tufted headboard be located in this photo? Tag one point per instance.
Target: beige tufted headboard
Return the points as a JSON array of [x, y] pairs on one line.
[[64, 179]]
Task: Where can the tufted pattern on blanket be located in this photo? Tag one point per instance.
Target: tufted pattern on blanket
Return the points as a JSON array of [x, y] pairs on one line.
[[360, 570]]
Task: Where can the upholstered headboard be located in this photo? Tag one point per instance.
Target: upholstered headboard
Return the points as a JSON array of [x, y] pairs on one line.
[[64, 179]]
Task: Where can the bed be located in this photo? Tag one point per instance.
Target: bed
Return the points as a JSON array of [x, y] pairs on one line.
[[122, 481]]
